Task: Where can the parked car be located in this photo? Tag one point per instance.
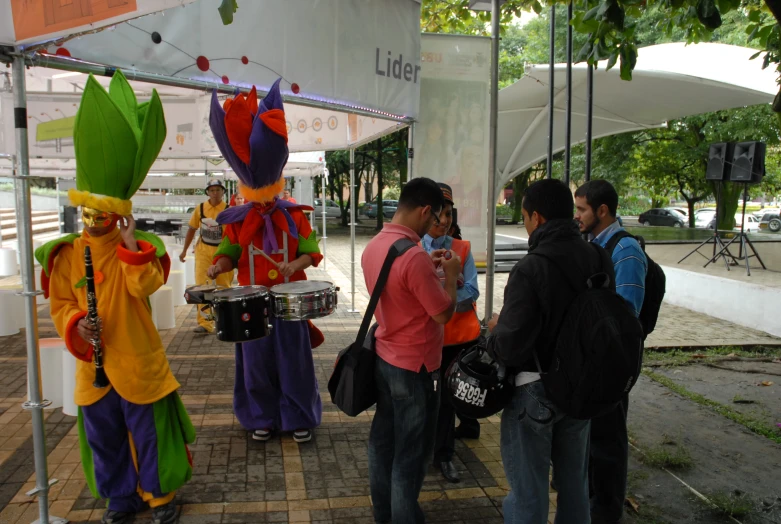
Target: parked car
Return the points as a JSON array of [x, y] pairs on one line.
[[388, 208], [770, 222], [662, 217], [682, 210], [762, 212], [332, 209], [704, 217], [750, 225]]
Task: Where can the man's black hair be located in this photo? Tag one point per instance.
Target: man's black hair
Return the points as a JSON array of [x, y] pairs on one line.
[[550, 198], [421, 192], [597, 193]]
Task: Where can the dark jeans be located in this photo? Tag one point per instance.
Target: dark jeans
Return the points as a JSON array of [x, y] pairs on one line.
[[401, 441], [444, 445], [608, 465]]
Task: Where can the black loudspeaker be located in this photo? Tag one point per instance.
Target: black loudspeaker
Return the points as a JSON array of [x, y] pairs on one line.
[[70, 218], [748, 162], [719, 161]]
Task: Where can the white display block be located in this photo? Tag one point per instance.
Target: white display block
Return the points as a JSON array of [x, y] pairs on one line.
[[163, 308], [176, 282], [9, 266], [50, 351], [69, 406], [11, 310]]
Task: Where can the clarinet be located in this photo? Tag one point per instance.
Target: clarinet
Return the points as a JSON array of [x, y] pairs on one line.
[[101, 380]]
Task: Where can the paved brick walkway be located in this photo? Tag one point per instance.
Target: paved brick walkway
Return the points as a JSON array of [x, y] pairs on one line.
[[238, 480]]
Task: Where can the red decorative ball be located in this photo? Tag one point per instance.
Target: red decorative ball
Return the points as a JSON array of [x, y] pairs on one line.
[[225, 80], [63, 52], [448, 255], [294, 87], [244, 60], [203, 63]]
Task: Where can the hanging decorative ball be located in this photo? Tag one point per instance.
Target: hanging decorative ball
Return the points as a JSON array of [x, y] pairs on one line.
[[63, 52], [294, 87], [156, 38], [273, 274], [203, 63], [225, 80], [244, 60]]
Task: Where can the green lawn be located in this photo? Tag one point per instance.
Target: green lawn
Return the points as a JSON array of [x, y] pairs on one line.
[[686, 234]]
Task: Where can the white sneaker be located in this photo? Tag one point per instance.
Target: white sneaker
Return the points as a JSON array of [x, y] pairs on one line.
[[302, 435], [261, 434]]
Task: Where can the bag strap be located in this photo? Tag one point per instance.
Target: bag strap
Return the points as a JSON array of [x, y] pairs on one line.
[[615, 239], [396, 250], [200, 218]]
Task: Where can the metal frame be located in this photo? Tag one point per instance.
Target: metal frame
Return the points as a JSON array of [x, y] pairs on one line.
[[36, 404], [490, 264]]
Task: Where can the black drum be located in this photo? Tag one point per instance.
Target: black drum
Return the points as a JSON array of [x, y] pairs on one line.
[[242, 313]]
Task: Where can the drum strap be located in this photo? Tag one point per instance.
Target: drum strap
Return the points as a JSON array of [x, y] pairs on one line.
[[396, 250]]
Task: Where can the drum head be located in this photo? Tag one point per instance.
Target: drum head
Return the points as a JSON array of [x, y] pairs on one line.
[[239, 293], [301, 287]]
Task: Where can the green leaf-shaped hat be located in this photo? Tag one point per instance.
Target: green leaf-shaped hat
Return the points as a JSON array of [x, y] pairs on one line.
[[116, 140]]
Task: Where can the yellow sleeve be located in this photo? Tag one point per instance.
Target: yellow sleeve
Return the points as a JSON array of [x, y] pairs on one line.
[[195, 219], [65, 310], [143, 270]]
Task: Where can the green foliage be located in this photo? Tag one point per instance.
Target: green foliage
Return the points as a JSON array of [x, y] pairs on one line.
[[736, 504], [669, 456]]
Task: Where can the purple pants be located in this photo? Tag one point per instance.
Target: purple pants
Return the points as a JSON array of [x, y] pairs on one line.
[[106, 424], [275, 384]]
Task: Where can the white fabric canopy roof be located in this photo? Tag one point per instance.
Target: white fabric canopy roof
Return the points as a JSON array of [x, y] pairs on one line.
[[670, 81], [356, 54]]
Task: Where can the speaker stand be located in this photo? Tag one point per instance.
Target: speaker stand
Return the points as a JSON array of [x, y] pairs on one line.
[[744, 243], [718, 244]]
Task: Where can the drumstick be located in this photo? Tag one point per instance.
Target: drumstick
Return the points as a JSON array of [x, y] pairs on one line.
[[276, 265]]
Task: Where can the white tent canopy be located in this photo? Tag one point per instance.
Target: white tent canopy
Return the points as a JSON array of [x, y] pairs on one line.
[[358, 54], [670, 81]]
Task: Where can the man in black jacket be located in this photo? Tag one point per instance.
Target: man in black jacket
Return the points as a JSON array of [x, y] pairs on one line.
[[534, 430]]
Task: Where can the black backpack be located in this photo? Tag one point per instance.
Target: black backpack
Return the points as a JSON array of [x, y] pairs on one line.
[[597, 354], [655, 283]]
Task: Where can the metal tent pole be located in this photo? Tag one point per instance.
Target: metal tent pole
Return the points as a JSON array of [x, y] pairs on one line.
[[589, 118], [410, 151], [352, 230], [24, 233], [551, 94], [568, 125], [491, 240], [324, 237]]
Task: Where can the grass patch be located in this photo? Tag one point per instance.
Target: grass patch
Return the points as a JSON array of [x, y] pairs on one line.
[[755, 426], [682, 357], [735, 504], [668, 457]]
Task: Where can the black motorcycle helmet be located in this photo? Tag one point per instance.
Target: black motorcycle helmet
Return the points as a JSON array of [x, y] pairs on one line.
[[477, 385]]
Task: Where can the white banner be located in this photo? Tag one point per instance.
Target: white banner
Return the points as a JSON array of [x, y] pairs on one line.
[[451, 135], [358, 53], [50, 126], [31, 21]]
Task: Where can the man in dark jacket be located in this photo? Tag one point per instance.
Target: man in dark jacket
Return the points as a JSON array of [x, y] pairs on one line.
[[535, 432]]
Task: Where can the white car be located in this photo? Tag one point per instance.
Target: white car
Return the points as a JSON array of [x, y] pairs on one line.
[[751, 224], [759, 214], [703, 217]]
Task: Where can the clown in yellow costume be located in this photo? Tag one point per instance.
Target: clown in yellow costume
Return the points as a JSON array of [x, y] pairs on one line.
[[133, 433], [204, 220]]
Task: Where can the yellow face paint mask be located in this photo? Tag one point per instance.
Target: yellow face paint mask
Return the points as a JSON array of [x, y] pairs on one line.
[[96, 218]]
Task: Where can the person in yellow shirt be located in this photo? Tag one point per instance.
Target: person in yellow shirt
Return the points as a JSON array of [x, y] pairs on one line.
[[133, 433], [204, 220]]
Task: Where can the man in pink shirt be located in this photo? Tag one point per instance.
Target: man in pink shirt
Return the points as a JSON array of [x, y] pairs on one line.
[[411, 313]]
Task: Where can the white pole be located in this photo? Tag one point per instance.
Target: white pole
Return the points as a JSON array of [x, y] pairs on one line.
[[25, 235], [352, 229], [490, 247], [325, 237]]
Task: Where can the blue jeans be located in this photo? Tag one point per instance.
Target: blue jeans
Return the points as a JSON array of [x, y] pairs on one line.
[[534, 433], [401, 442]]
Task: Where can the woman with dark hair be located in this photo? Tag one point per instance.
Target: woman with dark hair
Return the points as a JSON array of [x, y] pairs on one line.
[[461, 331]]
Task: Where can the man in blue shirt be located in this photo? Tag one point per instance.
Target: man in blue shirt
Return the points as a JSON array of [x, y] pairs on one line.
[[596, 203]]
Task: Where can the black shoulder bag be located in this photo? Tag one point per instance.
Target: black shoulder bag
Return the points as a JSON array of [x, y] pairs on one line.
[[352, 386]]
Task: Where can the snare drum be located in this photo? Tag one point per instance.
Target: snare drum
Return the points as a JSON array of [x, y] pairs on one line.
[[242, 313], [303, 300]]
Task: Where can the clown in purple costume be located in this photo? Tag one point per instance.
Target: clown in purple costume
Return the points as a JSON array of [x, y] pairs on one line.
[[275, 388]]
